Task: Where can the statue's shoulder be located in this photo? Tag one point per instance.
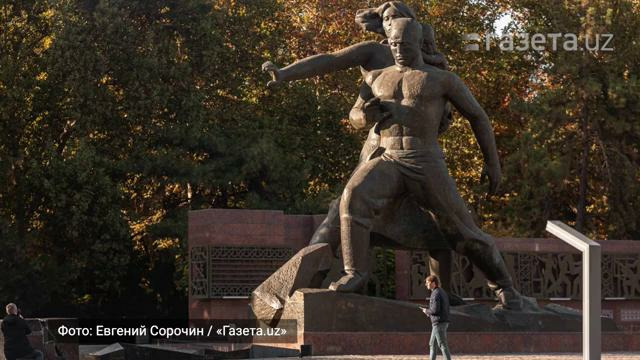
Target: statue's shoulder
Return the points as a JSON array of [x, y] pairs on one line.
[[434, 70], [444, 75], [374, 74], [373, 43]]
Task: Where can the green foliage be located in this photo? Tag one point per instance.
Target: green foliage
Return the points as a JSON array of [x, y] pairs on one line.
[[383, 278], [576, 158], [118, 117]]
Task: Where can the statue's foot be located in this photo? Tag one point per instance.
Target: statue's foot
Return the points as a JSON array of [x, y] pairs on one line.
[[455, 300], [352, 281], [509, 298]]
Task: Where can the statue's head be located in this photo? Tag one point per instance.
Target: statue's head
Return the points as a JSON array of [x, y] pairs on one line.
[[405, 40], [378, 19], [393, 10]]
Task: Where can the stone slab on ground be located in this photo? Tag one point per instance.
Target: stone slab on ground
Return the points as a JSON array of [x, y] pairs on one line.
[[123, 351], [414, 343], [556, 356], [321, 310], [332, 323]]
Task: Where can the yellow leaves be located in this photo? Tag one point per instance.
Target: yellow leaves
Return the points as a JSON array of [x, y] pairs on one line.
[[230, 6], [118, 92], [42, 76], [320, 26], [48, 14], [166, 243], [97, 135], [139, 227], [608, 19], [316, 186], [105, 79], [44, 44], [84, 299]]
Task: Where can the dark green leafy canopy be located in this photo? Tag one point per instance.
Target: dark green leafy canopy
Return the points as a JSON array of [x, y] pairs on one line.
[[117, 117]]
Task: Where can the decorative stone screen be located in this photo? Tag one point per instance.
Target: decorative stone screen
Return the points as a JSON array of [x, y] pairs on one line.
[[539, 275], [232, 271]]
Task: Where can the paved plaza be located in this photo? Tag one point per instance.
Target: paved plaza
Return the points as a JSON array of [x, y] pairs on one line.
[[557, 356]]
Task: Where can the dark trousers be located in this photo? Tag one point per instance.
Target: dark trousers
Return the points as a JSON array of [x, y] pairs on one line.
[[439, 340]]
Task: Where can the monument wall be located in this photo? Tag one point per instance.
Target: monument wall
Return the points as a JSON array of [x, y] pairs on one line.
[[232, 251]]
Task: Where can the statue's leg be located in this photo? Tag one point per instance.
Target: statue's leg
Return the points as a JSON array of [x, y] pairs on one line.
[[409, 226], [456, 223], [329, 231], [372, 187]]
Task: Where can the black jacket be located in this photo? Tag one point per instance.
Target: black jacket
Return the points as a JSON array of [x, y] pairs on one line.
[[15, 331], [438, 306]]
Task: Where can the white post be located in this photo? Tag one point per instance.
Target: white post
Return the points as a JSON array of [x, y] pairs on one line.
[[591, 286]]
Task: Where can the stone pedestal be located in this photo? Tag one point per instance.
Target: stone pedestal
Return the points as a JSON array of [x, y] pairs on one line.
[[331, 323], [330, 311]]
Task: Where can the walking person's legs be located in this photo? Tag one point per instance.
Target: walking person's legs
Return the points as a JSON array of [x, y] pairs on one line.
[[441, 337], [432, 344]]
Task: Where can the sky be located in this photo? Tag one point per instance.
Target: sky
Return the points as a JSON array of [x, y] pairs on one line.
[[502, 23]]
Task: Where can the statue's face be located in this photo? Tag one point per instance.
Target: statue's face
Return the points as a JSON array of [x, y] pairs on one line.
[[388, 15], [405, 42]]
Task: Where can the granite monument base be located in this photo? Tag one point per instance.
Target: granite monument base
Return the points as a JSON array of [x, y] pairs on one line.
[[332, 323]]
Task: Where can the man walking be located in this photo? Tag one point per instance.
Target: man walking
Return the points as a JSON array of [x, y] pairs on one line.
[[438, 312], [15, 331]]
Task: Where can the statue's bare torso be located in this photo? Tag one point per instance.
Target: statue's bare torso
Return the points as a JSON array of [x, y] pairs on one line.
[[415, 98]]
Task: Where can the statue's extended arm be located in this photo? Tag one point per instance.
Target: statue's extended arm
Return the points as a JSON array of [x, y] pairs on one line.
[[462, 98], [355, 55]]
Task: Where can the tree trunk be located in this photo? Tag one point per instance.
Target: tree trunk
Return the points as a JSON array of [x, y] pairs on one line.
[[582, 197]]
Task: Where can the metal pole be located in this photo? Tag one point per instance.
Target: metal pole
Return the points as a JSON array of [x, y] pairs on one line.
[[591, 286]]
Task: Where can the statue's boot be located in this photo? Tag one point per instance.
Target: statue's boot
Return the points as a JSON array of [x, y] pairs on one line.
[[509, 299], [352, 281], [485, 256], [355, 255]]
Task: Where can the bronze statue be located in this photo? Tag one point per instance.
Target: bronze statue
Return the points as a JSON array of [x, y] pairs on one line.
[[401, 222], [407, 226], [405, 103]]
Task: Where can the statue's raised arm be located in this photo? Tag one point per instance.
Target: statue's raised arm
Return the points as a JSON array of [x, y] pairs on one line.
[[366, 54], [463, 100], [369, 55]]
